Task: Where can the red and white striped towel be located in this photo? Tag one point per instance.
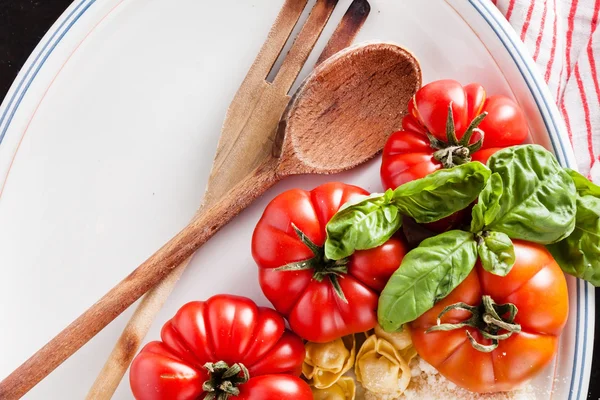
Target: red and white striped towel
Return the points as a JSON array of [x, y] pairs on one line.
[[565, 44]]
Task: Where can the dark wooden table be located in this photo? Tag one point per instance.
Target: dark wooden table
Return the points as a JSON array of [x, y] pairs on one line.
[[24, 22]]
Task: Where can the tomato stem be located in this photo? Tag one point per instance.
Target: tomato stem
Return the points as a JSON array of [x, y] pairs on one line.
[[320, 264], [334, 279], [224, 380], [472, 128], [478, 144], [452, 156], [450, 128], [306, 240], [434, 142], [455, 152], [487, 318]]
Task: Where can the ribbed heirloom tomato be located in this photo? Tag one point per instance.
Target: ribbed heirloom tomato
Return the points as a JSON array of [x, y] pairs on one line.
[[322, 299], [222, 348], [425, 144], [467, 354]]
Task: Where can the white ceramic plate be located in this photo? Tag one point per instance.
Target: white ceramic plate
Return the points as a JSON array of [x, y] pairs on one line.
[[108, 134]]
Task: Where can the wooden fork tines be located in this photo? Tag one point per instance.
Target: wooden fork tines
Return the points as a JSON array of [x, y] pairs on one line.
[[251, 121]]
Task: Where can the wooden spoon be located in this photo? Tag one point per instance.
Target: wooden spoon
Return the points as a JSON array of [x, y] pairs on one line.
[[339, 118]]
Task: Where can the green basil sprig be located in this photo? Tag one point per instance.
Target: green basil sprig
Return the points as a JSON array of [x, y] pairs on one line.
[[496, 252], [583, 186], [579, 253], [427, 274], [363, 225], [488, 206], [495, 249], [372, 221], [536, 200]]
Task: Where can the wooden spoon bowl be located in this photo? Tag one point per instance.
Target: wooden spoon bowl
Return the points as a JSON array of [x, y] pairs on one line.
[[343, 113], [339, 118]]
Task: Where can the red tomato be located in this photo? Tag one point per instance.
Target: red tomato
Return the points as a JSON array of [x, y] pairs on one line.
[[308, 297], [430, 107], [537, 287], [484, 155], [505, 124], [275, 387], [409, 154], [221, 333]]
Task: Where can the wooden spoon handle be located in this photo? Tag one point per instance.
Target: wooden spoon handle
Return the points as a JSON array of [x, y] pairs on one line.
[[147, 275], [128, 344]]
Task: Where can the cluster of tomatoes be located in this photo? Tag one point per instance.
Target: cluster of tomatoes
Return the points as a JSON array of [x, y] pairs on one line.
[[227, 347]]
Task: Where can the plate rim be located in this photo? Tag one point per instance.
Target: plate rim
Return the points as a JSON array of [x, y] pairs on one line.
[[36, 61], [555, 125], [551, 117]]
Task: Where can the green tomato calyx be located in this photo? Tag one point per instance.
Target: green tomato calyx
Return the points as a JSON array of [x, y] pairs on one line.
[[320, 264], [456, 152], [493, 321], [224, 380]]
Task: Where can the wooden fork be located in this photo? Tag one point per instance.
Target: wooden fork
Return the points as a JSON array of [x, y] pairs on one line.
[[246, 140]]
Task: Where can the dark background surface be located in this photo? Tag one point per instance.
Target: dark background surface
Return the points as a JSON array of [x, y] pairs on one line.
[[24, 22]]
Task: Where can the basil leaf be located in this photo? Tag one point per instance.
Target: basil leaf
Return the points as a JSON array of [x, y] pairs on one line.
[[496, 252], [441, 193], [579, 254], [538, 198], [488, 206], [427, 274], [583, 186], [363, 225]]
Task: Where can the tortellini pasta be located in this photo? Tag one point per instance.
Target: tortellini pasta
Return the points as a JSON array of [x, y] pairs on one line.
[[325, 363], [380, 367], [343, 389], [400, 340]]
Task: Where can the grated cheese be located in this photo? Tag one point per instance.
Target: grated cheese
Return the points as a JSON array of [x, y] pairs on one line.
[[427, 383]]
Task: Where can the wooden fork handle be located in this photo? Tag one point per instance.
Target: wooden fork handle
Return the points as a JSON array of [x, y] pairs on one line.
[[147, 275]]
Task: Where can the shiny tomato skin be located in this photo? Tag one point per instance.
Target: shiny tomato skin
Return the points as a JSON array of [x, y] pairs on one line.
[[156, 361], [411, 124], [387, 257], [275, 387], [407, 156], [223, 328], [321, 316], [431, 107], [505, 125], [484, 155], [537, 286], [314, 310], [475, 99]]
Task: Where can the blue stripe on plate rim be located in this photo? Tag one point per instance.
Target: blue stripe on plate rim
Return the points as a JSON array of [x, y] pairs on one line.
[[508, 38], [37, 63]]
